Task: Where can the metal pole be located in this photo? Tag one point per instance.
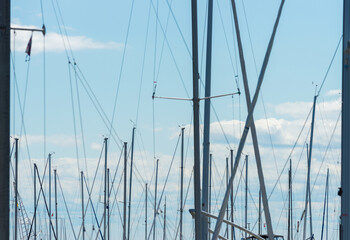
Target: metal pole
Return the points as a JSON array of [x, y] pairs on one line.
[[108, 214], [56, 212], [35, 206], [206, 135], [227, 210], [289, 199], [105, 192], [155, 203], [4, 117], [16, 187], [50, 196], [182, 180], [146, 212], [125, 179], [196, 144], [130, 185], [210, 185], [82, 203], [246, 196], [259, 217], [248, 123], [308, 197], [232, 227], [344, 191], [164, 227], [324, 205]]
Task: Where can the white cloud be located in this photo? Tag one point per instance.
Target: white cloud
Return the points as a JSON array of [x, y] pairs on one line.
[[55, 42]]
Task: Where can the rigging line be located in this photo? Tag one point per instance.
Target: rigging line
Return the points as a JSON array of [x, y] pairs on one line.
[[81, 120], [59, 28], [262, 97], [65, 204], [143, 65], [155, 50], [166, 181], [324, 155], [73, 111], [171, 52], [97, 105], [42, 11], [290, 154], [226, 40], [155, 82], [178, 27], [330, 64], [92, 206], [65, 29], [16, 90], [121, 68], [137, 210]]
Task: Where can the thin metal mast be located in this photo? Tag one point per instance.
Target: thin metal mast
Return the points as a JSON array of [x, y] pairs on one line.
[[105, 192], [182, 180], [130, 185], [344, 191], [206, 134], [196, 144], [325, 207], [289, 201], [125, 179], [50, 196], [246, 195], [210, 185], [82, 203], [155, 203], [164, 227], [56, 212], [232, 228], [108, 214], [308, 195], [4, 117], [249, 123], [259, 217], [227, 209], [35, 206], [16, 187], [146, 212]]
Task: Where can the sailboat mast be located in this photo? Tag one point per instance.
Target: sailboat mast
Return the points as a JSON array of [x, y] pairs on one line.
[[155, 203], [108, 213], [308, 197], [16, 187], [125, 179], [290, 221], [232, 228], [325, 207], [146, 211], [164, 227], [130, 184], [197, 173], [56, 212], [50, 196], [246, 196], [227, 208], [35, 206], [210, 185], [344, 191], [82, 203], [206, 135], [4, 117], [182, 180], [105, 192]]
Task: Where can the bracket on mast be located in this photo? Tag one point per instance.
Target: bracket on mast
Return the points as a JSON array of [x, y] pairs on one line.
[[42, 30]]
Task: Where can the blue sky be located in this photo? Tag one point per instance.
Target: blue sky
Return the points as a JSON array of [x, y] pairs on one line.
[[306, 39]]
